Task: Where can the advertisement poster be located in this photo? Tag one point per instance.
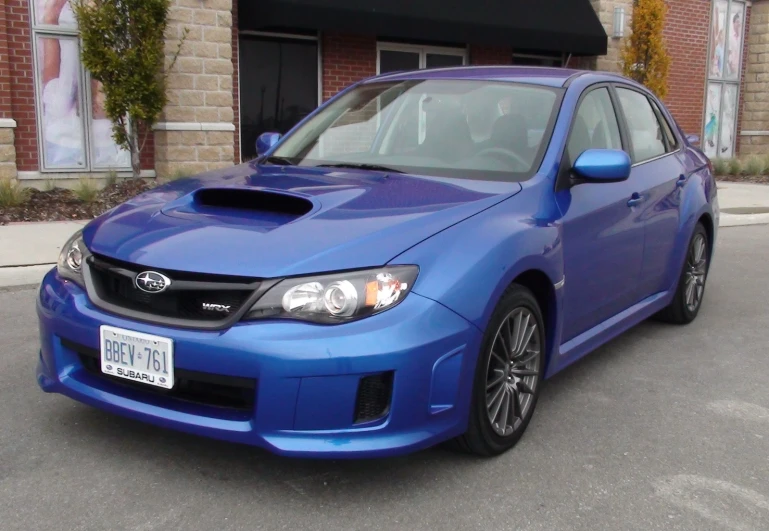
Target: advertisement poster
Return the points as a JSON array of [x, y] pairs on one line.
[[736, 18], [60, 96], [64, 99], [728, 116], [712, 114], [718, 39]]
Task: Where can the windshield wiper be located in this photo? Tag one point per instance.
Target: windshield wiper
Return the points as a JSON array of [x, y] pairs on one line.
[[279, 161], [360, 166]]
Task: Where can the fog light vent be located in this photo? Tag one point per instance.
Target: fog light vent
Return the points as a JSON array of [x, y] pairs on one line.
[[374, 394]]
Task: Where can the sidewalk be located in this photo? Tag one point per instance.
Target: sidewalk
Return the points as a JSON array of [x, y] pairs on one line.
[[29, 250]]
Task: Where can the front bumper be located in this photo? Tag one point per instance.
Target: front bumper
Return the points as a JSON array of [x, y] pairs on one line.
[[307, 376]]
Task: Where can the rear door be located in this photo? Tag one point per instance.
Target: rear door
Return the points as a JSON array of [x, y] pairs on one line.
[[659, 171]]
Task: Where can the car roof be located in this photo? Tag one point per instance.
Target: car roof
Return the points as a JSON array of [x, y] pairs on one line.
[[536, 75]]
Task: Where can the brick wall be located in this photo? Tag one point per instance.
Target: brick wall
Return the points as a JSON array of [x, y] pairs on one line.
[[686, 34], [22, 84], [236, 80], [7, 149], [491, 55], [346, 59], [755, 93]]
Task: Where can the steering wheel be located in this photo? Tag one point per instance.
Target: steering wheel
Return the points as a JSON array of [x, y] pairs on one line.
[[503, 154]]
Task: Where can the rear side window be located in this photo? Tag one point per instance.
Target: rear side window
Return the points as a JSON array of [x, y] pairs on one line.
[[672, 142], [644, 128], [595, 125]]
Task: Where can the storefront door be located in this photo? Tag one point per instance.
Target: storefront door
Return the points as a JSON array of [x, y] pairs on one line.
[[278, 85]]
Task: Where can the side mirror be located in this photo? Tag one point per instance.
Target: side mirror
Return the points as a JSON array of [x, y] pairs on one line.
[[265, 142], [603, 165], [693, 139]]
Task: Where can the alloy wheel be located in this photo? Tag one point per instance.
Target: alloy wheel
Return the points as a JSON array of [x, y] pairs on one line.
[[696, 270], [512, 371]]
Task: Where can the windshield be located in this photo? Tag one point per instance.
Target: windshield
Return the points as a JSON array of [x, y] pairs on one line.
[[452, 128]]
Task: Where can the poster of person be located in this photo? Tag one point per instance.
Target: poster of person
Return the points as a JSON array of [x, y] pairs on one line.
[[734, 27], [54, 13], [718, 39], [106, 154], [728, 116], [63, 98], [712, 114], [60, 97]]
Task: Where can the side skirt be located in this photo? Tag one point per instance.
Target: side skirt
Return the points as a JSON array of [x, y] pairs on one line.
[[590, 340]]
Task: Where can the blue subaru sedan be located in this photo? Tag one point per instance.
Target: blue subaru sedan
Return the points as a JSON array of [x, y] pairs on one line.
[[401, 269]]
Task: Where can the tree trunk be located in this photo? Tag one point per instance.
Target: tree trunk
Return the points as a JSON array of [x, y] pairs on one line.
[[135, 150]]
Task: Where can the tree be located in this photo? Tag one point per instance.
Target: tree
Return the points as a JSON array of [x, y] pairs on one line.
[[645, 57], [124, 50]]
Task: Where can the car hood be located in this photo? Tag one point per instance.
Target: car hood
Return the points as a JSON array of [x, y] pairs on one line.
[[272, 221]]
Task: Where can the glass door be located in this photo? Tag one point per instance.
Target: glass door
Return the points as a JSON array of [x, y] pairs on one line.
[[278, 86]]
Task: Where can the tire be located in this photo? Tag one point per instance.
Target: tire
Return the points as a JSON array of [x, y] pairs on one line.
[[517, 310], [680, 310]]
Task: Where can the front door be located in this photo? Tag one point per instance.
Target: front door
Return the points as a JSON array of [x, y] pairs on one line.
[[278, 86], [603, 235]]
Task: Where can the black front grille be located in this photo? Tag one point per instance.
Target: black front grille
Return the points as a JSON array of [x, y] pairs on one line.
[[374, 394], [190, 386], [190, 297]]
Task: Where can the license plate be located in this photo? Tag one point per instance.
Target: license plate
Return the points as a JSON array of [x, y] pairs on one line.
[[137, 357]]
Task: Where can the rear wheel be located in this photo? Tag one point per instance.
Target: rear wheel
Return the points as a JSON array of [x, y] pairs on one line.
[[691, 284], [508, 375]]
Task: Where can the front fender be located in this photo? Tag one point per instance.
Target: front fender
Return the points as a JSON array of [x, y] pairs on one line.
[[468, 266]]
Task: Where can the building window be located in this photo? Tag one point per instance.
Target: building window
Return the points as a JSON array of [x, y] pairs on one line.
[[74, 132], [727, 31], [393, 57]]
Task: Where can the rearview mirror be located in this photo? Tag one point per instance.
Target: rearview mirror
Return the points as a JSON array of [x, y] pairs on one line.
[[265, 142], [603, 165]]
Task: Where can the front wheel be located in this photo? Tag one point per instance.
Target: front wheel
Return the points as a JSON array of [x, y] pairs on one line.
[[508, 375], [691, 283]]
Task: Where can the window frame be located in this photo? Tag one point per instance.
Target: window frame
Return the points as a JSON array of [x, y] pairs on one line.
[[650, 100], [577, 108], [85, 105], [422, 50]]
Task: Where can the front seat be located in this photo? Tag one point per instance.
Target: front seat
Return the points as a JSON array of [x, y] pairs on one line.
[[511, 132], [448, 136]]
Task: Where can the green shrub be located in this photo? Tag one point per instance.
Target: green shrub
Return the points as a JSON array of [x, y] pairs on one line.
[[86, 190], [11, 193], [721, 167], [178, 174], [49, 185], [735, 166], [754, 166], [766, 164]]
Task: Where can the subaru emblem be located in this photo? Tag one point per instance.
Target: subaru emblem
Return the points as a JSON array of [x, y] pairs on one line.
[[109, 367], [152, 282]]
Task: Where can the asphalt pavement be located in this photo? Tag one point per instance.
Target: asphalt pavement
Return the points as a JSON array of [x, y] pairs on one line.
[[664, 428]]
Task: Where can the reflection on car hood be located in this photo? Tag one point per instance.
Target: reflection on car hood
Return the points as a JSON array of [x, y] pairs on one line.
[[288, 221]]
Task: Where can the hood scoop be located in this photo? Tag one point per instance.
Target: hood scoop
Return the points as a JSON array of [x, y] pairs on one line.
[[241, 206]]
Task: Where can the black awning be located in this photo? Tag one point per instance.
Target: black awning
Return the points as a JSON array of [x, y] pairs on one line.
[[568, 26]]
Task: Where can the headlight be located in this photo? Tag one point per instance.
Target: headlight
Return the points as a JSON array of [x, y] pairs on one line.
[[336, 298], [72, 258]]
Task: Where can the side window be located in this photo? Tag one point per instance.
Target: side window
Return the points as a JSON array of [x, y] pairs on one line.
[[672, 142], [595, 125], [645, 130]]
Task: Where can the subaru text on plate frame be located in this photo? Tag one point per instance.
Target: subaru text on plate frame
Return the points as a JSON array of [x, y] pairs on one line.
[[402, 268]]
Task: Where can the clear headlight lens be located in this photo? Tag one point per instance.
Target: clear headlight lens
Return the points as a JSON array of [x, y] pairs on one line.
[[71, 259], [338, 297]]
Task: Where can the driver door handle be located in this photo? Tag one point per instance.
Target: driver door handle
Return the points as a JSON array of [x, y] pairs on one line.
[[634, 200]]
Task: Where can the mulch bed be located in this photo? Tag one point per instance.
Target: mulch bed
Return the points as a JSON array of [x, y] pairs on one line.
[[754, 179], [63, 205]]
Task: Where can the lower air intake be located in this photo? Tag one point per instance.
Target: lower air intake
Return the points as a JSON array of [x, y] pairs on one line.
[[374, 395]]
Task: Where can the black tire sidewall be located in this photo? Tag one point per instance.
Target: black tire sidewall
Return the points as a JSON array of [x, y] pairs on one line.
[[515, 297]]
